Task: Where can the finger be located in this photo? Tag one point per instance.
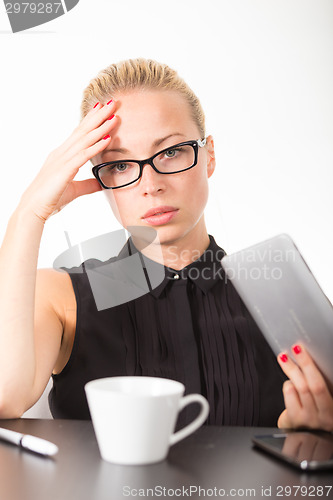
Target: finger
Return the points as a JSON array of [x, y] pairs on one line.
[[87, 139], [314, 378], [102, 133], [299, 382], [98, 120], [96, 116], [83, 155], [299, 414], [82, 151], [284, 420]]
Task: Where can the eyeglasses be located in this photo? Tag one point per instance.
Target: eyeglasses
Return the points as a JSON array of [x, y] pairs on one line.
[[171, 160]]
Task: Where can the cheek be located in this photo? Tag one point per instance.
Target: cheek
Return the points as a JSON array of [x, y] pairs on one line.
[[200, 197], [116, 205], [198, 187]]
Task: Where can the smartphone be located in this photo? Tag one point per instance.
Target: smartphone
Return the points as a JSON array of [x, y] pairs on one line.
[[305, 450]]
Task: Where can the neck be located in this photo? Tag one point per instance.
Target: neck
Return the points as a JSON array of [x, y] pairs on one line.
[[180, 252]]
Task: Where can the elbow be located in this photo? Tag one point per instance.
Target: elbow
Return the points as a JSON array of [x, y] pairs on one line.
[[8, 408]]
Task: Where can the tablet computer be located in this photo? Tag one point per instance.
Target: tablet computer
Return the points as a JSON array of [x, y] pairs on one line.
[[284, 298]]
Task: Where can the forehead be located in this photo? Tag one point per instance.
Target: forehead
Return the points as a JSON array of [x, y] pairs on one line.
[[146, 100], [147, 115]]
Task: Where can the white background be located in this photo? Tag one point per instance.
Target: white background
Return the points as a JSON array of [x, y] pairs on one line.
[[263, 70]]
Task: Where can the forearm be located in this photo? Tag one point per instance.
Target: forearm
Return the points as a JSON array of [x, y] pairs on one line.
[[24, 366], [18, 267]]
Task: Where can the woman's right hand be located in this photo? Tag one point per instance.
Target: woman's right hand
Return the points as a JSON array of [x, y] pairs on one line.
[[54, 186], [34, 331]]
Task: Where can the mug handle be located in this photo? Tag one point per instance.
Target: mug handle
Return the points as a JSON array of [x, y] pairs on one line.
[[197, 422]]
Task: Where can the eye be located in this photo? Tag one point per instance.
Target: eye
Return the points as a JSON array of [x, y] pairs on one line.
[[120, 167], [171, 153]]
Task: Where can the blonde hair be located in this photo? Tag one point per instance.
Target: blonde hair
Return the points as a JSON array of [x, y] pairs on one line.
[[132, 74]]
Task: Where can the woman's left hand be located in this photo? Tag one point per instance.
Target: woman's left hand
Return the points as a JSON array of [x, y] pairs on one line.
[[308, 400]]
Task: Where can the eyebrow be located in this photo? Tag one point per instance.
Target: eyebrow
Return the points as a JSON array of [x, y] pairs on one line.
[[156, 143]]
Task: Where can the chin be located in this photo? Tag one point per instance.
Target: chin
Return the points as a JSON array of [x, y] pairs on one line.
[[168, 235]]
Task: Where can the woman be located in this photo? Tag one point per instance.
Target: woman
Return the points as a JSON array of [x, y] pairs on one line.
[[191, 326]]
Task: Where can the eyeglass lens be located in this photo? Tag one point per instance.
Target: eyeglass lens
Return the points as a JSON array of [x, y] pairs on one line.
[[168, 162]]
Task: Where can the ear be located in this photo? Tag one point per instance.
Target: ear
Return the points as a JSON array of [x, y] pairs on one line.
[[211, 162]]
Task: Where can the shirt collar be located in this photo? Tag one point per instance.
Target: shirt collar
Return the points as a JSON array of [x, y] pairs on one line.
[[203, 272]]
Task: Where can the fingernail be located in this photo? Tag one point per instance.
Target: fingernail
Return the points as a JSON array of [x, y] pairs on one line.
[[106, 137], [97, 103], [111, 117], [109, 102], [284, 358], [297, 349]]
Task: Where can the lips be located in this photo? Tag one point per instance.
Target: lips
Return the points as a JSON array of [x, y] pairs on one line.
[[158, 211], [160, 215]]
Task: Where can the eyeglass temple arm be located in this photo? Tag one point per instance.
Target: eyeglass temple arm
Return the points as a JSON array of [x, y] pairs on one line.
[[201, 142]]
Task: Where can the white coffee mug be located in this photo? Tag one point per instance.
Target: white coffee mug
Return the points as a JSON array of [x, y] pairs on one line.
[[134, 417]]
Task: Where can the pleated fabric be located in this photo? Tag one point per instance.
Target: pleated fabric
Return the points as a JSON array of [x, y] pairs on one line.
[[193, 328]]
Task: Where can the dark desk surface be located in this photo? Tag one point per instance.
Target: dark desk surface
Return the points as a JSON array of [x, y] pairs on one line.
[[213, 457]]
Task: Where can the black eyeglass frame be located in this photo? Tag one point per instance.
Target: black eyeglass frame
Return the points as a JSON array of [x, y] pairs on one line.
[[149, 161]]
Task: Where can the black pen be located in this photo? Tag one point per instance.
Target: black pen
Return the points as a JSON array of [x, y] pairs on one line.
[[31, 443]]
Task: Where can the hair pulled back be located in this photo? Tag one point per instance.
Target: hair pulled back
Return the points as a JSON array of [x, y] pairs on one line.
[[146, 74]]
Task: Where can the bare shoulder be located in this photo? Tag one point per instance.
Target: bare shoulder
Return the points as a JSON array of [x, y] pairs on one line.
[[54, 278], [54, 289]]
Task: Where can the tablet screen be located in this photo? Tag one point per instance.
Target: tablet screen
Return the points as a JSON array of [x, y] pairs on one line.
[[284, 298]]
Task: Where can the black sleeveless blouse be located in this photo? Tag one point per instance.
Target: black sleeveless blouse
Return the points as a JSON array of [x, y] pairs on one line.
[[192, 327]]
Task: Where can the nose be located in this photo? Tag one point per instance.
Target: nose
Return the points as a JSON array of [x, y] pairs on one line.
[[151, 182]]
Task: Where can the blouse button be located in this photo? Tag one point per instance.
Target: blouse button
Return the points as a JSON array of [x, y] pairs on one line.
[[176, 276]]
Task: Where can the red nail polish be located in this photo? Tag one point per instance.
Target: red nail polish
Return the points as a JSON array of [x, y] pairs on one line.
[[97, 103], [297, 349], [106, 137], [111, 117], [109, 102], [284, 358]]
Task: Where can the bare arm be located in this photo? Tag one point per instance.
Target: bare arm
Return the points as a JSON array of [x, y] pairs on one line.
[[33, 311], [18, 264]]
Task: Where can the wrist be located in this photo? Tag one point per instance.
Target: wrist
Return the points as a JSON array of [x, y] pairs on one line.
[[26, 216]]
